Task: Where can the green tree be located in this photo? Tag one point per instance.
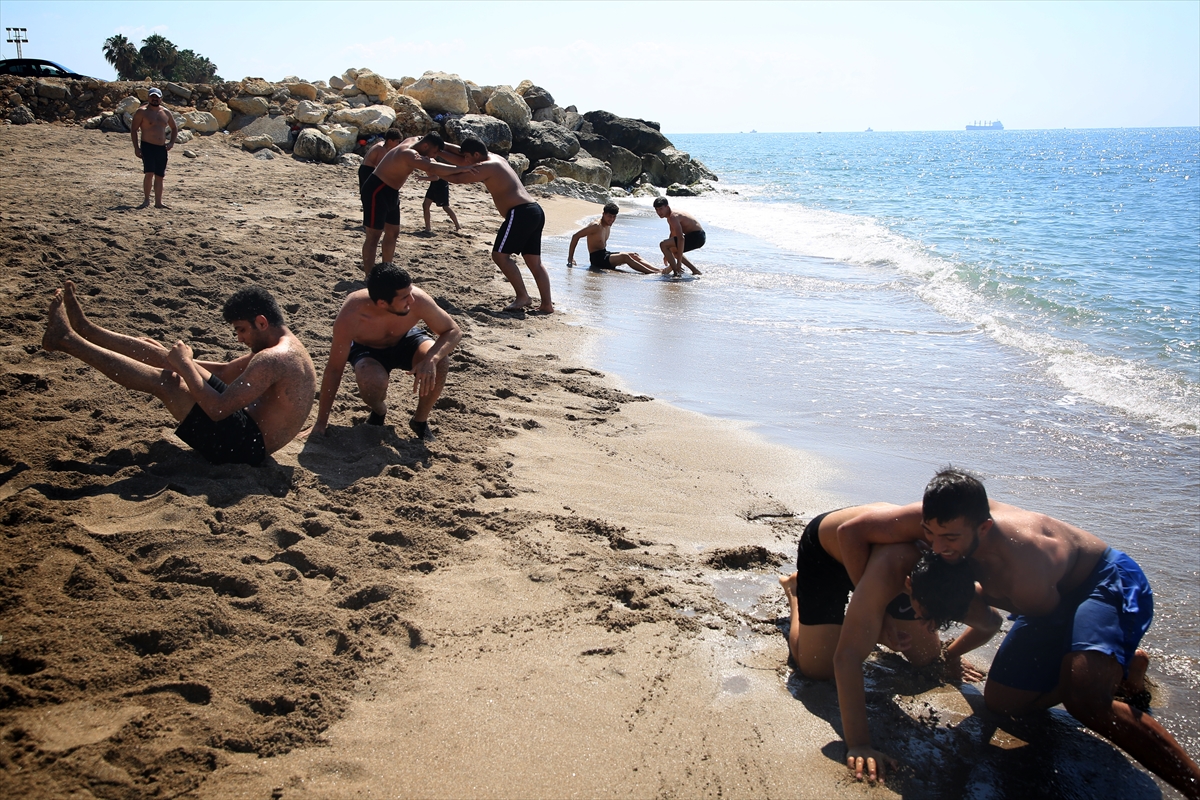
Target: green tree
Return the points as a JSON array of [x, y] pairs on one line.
[[191, 67], [121, 53], [159, 54]]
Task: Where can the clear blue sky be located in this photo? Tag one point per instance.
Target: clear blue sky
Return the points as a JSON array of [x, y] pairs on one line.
[[702, 67]]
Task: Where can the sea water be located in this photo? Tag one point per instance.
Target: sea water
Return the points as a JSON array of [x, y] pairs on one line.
[[1025, 304]]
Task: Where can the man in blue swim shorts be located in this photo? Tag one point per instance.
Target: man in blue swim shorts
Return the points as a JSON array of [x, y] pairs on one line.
[[1079, 607]]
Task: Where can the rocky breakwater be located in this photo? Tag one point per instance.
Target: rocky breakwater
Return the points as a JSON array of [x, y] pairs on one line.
[[594, 155]]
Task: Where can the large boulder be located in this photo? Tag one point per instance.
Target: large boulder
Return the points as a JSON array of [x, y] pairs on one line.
[[519, 163], [411, 119], [337, 83], [344, 138], [631, 134], [127, 106], [584, 169], [480, 95], [440, 91], [626, 166], [546, 140], [493, 132], [252, 105], [507, 105], [373, 84], [314, 145], [370, 120], [572, 119], [677, 165], [573, 188], [302, 90], [538, 175], [309, 112], [21, 115], [51, 90], [654, 168], [536, 97], [255, 143], [551, 114], [177, 90], [201, 121], [113, 123], [222, 112], [276, 128], [596, 145], [257, 87]]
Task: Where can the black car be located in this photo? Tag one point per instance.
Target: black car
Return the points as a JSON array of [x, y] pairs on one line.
[[36, 68]]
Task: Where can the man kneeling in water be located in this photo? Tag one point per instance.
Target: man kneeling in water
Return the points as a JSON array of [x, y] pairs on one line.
[[597, 240]]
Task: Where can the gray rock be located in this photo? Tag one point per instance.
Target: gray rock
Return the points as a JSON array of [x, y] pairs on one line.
[[92, 123], [177, 90], [679, 190], [350, 160], [519, 163], [51, 90], [337, 83], [551, 114], [21, 115], [316, 146], [309, 112], [189, 154], [507, 105], [631, 134], [546, 140], [253, 106], [256, 143], [302, 90], [572, 120], [626, 166], [572, 188], [536, 97], [276, 128], [201, 121], [655, 170], [264, 155], [370, 120], [702, 172], [257, 87], [114, 123], [538, 175], [596, 145], [440, 91], [584, 169], [494, 133], [411, 119], [677, 166]]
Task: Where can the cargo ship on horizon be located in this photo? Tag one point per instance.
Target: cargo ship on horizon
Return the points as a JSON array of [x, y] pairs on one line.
[[985, 126]]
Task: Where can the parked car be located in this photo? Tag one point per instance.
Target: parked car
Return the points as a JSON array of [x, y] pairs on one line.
[[36, 68]]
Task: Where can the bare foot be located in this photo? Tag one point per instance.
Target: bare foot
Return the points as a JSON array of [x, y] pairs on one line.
[[58, 327], [546, 309], [145, 203], [519, 305], [1136, 682], [789, 584], [162, 205], [79, 320]]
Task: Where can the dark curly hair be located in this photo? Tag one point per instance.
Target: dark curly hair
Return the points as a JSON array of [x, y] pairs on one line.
[[955, 493], [248, 303], [943, 590]]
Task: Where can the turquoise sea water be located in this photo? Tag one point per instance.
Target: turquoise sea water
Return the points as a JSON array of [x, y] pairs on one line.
[[1022, 303]]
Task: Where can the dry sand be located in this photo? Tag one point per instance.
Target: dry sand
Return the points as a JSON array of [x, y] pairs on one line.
[[531, 606]]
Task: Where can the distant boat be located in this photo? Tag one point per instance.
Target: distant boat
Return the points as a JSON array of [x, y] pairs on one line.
[[868, 130], [985, 126], [753, 131]]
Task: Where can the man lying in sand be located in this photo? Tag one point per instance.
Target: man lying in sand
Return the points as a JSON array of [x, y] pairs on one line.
[[685, 235], [380, 193], [153, 121], [1081, 610], [521, 231], [827, 639], [597, 239], [376, 332], [233, 413]]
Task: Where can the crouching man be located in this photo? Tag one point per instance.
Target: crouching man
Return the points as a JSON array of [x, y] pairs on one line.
[[376, 331], [233, 413]]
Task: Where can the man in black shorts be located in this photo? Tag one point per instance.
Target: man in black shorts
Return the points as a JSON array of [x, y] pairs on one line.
[[375, 154], [686, 235], [828, 639], [597, 239], [376, 332], [234, 413], [153, 121], [438, 194]]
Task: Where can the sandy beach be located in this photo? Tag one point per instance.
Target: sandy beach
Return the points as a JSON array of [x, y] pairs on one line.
[[546, 601]]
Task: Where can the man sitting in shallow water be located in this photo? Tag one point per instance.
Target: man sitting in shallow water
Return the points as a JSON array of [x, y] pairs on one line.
[[233, 413], [597, 240]]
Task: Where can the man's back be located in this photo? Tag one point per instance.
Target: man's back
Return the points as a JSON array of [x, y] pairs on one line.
[[503, 184], [283, 408]]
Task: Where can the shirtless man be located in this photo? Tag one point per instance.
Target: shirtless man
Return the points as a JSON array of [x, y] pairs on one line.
[[827, 639], [153, 121], [233, 413], [380, 192], [521, 231], [1082, 609], [686, 235], [597, 239], [376, 332], [375, 154]]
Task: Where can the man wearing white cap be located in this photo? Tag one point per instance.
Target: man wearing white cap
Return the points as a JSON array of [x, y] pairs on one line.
[[153, 121]]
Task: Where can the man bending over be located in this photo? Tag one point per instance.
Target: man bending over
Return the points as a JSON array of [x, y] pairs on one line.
[[380, 193], [1081, 609], [597, 239], [376, 332], [685, 235], [233, 413]]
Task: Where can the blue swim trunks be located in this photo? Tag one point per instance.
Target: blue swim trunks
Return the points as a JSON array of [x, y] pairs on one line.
[[1109, 613]]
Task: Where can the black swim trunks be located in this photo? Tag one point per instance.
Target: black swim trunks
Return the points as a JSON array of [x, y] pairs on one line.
[[823, 587], [398, 356], [154, 158], [599, 260], [521, 231], [439, 193], [364, 172], [380, 202], [233, 440], [693, 241]]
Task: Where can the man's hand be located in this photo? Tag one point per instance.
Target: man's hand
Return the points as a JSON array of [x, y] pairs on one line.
[[318, 430], [869, 763], [137, 152], [958, 671], [424, 377], [179, 356]]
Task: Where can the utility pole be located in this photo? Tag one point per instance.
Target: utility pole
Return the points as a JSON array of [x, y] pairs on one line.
[[17, 36]]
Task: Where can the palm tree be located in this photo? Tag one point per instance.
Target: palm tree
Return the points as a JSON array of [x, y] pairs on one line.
[[121, 53], [158, 53]]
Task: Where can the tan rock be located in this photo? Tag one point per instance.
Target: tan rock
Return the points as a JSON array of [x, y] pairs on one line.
[[254, 106], [372, 83], [507, 105], [371, 120], [523, 87], [538, 175], [201, 121], [309, 112], [411, 119], [257, 87], [440, 91], [302, 90], [223, 114], [256, 143]]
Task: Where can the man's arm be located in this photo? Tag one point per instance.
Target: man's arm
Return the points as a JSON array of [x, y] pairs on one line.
[[227, 372], [434, 168], [878, 525], [584, 231], [173, 126], [134, 127], [453, 154], [339, 351], [448, 334], [261, 374], [982, 622]]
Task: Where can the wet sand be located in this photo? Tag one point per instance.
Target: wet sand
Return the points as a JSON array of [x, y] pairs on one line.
[[568, 593]]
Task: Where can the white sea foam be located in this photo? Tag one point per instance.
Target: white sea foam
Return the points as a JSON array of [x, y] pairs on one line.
[[1162, 396]]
